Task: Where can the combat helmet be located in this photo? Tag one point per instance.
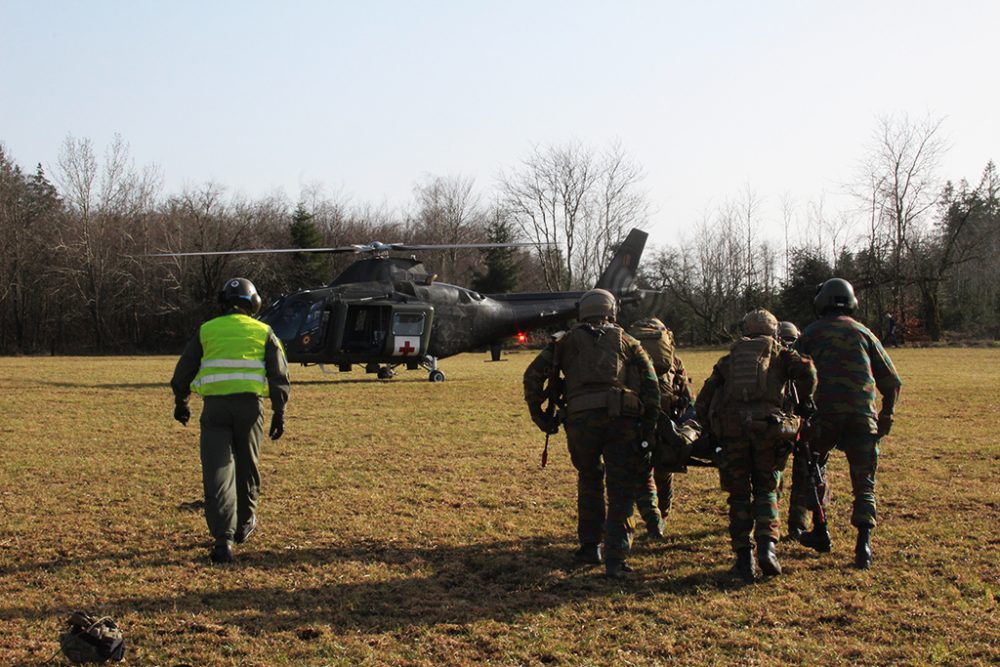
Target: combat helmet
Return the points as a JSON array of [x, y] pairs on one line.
[[759, 322], [788, 332], [240, 293], [597, 304], [835, 294]]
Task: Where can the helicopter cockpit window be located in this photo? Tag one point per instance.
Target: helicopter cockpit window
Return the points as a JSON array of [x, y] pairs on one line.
[[408, 324], [287, 320], [311, 334]]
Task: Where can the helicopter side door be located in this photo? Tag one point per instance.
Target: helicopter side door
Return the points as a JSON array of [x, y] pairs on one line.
[[411, 330], [365, 329]]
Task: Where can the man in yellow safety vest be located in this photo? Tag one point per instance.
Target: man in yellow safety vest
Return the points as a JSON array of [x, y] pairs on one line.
[[233, 363]]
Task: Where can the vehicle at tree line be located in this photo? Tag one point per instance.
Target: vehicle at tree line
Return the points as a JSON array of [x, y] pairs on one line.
[[383, 312]]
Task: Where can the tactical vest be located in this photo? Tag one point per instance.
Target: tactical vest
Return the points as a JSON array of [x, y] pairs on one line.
[[754, 381], [592, 359], [752, 394], [232, 359]]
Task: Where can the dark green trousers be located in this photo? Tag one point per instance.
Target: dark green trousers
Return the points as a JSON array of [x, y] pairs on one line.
[[603, 451], [656, 497], [854, 436], [750, 472], [231, 430]]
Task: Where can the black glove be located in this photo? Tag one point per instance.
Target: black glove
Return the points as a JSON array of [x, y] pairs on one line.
[[182, 413], [544, 422], [277, 425], [806, 409], [884, 425]]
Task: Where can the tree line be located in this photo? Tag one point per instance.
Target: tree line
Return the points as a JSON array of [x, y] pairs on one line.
[[78, 275], [921, 253]]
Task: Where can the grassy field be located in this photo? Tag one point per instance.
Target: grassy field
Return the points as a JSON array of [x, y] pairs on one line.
[[409, 523]]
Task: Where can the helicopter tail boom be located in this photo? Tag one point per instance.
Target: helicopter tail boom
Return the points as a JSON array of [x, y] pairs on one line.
[[619, 276]]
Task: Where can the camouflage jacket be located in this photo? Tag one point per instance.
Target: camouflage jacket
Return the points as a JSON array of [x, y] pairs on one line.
[[851, 364], [541, 369]]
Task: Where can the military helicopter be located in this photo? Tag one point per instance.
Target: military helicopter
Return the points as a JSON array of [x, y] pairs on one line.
[[384, 312]]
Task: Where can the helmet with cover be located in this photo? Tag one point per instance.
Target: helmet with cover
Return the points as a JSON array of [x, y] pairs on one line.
[[788, 332], [760, 322], [597, 304]]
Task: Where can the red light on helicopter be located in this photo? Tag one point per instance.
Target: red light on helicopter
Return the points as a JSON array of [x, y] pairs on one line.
[[522, 337]]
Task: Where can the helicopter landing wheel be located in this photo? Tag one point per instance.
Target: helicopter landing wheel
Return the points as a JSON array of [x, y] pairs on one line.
[[386, 373], [436, 376]]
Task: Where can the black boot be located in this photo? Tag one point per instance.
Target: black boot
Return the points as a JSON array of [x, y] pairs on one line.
[[654, 528], [863, 549], [617, 569], [589, 554], [767, 558], [246, 530], [818, 538], [221, 552], [794, 532], [744, 564]]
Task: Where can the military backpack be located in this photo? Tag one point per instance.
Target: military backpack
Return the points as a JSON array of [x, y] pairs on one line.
[[658, 341], [749, 367]]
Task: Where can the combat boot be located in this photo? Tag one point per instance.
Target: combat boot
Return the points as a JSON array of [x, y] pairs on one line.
[[767, 558], [246, 530], [818, 538], [794, 531], [863, 549], [617, 569], [654, 529], [589, 554], [222, 552], [744, 565]]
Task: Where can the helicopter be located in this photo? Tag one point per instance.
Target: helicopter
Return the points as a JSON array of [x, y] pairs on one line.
[[383, 312]]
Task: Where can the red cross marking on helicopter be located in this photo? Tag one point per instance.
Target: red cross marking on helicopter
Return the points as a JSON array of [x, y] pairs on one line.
[[407, 348]]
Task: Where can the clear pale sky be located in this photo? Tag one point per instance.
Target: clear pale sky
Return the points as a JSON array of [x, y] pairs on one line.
[[369, 97]]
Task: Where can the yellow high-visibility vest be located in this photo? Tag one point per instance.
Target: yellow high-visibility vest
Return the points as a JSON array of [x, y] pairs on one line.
[[232, 359]]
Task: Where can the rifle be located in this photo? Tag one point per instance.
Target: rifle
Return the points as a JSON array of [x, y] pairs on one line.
[[814, 472], [553, 409]]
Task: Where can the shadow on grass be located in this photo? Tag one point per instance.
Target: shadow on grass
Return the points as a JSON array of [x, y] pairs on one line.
[[374, 380], [427, 585], [105, 385]]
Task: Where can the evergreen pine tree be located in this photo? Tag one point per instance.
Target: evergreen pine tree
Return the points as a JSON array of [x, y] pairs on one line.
[[308, 269], [501, 267]]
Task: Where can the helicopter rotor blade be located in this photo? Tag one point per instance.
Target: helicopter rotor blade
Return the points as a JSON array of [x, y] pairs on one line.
[[445, 246], [355, 249], [267, 251]]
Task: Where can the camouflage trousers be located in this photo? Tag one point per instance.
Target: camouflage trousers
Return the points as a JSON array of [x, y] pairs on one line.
[[856, 437], [655, 498], [603, 450], [750, 471], [231, 430]]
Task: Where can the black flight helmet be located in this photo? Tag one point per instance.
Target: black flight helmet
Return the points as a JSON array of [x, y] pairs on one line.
[[835, 295], [240, 293]]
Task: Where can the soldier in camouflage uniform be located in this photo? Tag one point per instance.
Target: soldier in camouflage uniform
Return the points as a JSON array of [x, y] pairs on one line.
[[612, 400], [851, 364], [656, 497], [788, 333], [742, 404]]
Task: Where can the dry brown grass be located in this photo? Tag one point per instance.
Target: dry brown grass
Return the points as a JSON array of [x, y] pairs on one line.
[[410, 524]]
